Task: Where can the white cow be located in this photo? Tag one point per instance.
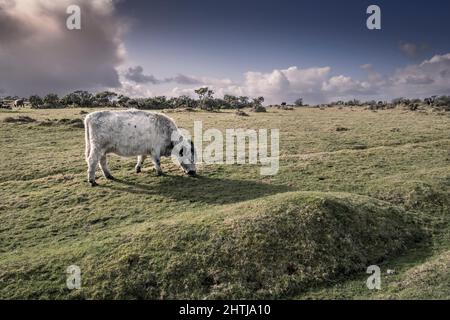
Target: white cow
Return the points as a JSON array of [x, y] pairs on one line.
[[134, 133]]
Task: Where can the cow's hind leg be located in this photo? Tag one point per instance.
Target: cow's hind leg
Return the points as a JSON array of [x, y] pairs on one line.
[[140, 163], [105, 169], [157, 163], [93, 159]]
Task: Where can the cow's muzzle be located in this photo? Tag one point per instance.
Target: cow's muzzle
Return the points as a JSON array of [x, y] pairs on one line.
[[191, 173]]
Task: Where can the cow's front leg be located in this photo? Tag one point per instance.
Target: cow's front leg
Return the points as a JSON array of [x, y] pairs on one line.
[[157, 163], [105, 169], [140, 163], [92, 161]]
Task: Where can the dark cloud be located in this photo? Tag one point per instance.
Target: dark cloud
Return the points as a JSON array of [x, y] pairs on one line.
[[136, 74], [38, 54], [418, 80], [445, 73], [183, 79]]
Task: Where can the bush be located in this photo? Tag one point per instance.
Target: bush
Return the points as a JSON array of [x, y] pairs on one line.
[[35, 101], [241, 113], [259, 109], [299, 102]]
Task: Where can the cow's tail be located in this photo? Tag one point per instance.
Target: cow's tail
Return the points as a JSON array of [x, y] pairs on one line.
[[87, 137]]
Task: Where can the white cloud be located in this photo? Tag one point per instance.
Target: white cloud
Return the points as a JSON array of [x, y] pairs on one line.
[[342, 85], [312, 84], [427, 78], [286, 84], [319, 84]]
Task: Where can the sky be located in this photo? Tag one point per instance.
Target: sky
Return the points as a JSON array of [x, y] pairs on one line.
[[319, 50]]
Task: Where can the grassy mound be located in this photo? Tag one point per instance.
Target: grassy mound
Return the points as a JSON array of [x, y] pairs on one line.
[[270, 248], [428, 195]]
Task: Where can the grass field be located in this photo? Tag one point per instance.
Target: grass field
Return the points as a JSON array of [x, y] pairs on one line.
[[374, 191]]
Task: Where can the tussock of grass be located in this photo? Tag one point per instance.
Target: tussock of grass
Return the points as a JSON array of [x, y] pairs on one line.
[[75, 123], [19, 119]]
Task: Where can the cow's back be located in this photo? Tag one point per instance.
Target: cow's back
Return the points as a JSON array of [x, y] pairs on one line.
[[130, 132]]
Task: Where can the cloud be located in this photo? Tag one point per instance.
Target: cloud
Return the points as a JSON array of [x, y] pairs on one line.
[[320, 85], [413, 50], [372, 75], [38, 54], [427, 78], [276, 86], [286, 84], [343, 86], [183, 79], [137, 75], [314, 85]]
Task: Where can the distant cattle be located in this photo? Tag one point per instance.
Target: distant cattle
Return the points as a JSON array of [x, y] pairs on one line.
[[134, 133], [19, 103], [4, 106]]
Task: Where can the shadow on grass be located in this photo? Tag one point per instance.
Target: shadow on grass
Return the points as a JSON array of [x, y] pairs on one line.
[[200, 189]]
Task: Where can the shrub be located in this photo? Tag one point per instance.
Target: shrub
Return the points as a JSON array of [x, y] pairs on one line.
[[259, 109]]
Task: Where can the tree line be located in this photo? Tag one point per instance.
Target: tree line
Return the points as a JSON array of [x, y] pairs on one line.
[[442, 102], [205, 101], [84, 99]]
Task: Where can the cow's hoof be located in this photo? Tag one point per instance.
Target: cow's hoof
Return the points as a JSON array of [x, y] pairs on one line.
[[93, 183], [159, 173], [110, 177]]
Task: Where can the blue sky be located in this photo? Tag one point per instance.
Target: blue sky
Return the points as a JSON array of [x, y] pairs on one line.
[[230, 37], [320, 50]]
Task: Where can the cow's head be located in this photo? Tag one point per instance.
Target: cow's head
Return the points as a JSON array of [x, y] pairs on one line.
[[184, 152], [187, 158]]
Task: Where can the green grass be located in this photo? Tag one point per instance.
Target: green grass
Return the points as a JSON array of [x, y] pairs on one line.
[[342, 200]]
